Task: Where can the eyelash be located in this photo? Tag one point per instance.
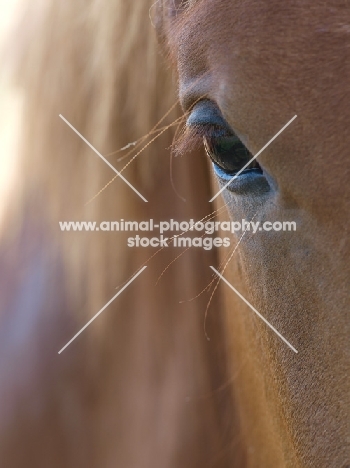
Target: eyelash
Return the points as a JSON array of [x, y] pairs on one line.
[[206, 125]]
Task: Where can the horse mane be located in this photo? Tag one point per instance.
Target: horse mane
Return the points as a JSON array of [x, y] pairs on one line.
[[97, 63], [85, 61]]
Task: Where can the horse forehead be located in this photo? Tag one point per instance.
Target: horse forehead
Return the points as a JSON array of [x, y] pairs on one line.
[[198, 24], [200, 33], [203, 37], [191, 21], [299, 40]]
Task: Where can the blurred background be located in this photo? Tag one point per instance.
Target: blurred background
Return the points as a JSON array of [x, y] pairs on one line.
[[142, 386], [10, 102]]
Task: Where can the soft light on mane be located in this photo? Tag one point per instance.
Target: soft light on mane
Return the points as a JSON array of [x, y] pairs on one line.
[[142, 386]]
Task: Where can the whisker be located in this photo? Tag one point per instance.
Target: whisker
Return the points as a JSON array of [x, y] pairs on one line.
[[210, 216], [149, 143], [171, 166], [140, 140], [179, 119], [131, 160], [137, 142], [162, 248], [102, 189], [169, 265], [143, 264], [178, 235], [208, 286], [150, 14], [218, 281], [174, 260]]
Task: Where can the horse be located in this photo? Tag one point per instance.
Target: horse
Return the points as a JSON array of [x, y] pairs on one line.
[[143, 386], [244, 70]]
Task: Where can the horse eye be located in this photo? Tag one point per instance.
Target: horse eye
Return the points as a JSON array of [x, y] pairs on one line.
[[229, 153], [221, 143]]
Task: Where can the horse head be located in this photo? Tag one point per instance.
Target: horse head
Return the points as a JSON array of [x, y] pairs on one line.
[[245, 70]]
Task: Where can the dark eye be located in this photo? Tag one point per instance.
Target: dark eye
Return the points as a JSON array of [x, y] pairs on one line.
[[221, 143], [229, 153]]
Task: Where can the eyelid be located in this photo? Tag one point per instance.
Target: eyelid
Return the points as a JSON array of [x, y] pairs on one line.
[[206, 114]]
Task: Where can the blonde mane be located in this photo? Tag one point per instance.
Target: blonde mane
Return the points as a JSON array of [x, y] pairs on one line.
[[146, 364], [97, 64]]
